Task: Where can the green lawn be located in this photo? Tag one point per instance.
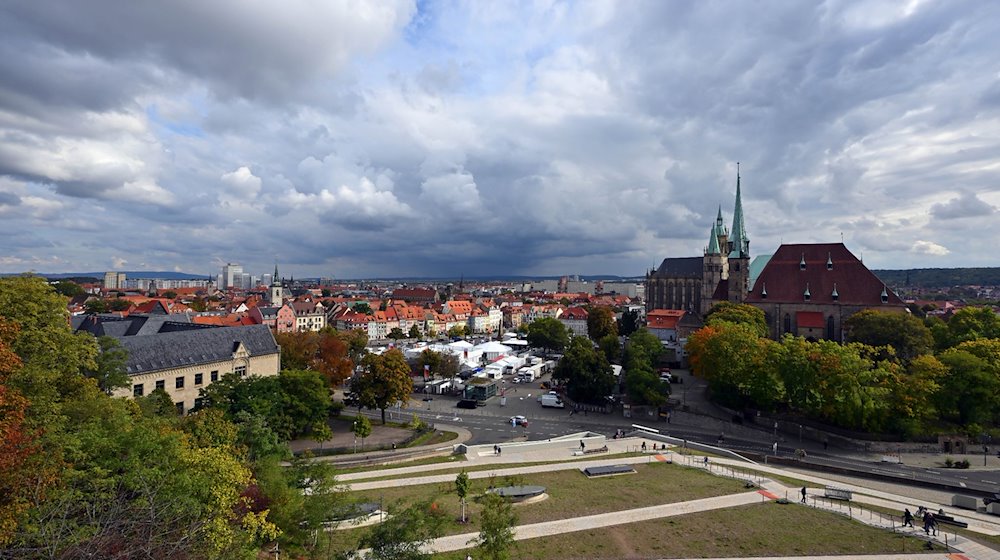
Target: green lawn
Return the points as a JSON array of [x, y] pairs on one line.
[[751, 530], [571, 494]]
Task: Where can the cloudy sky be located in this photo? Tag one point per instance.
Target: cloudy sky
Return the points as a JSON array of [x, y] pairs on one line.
[[356, 139]]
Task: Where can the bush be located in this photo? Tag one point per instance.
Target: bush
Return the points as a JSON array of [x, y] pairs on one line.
[[948, 463], [963, 464]]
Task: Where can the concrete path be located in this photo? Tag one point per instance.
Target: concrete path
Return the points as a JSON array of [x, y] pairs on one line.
[[770, 489], [588, 522]]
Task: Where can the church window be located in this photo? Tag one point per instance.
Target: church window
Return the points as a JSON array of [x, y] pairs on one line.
[[829, 328], [829, 262], [885, 295], [788, 323], [802, 262]]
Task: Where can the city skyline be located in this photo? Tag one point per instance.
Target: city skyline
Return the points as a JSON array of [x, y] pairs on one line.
[[435, 139]]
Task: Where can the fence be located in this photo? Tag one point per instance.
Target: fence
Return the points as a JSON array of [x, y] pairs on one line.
[[875, 518]]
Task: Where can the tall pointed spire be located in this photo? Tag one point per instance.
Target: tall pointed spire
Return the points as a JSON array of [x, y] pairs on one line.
[[741, 244], [275, 280], [713, 242]]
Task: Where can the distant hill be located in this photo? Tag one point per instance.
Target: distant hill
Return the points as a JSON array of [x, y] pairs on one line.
[[128, 273], [940, 277]]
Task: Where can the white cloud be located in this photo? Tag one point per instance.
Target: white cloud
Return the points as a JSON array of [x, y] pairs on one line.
[[929, 248]]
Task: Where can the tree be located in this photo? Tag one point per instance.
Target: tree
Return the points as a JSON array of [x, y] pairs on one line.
[[362, 428], [109, 370], [384, 380], [95, 305], [611, 347], [363, 307], [396, 333], [305, 401], [739, 313], [403, 534], [414, 332], [548, 333], [462, 487], [119, 304], [496, 534], [68, 289], [298, 349], [456, 331], [170, 294], [601, 323], [585, 372], [971, 323], [333, 358], [629, 323], [969, 392], [903, 332]]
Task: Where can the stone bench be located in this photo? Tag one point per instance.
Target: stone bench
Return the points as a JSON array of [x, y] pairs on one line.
[[837, 493], [949, 520], [965, 502]]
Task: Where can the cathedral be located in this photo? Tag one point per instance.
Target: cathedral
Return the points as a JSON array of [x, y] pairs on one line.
[[694, 284]]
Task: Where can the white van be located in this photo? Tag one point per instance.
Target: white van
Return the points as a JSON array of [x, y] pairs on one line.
[[552, 401]]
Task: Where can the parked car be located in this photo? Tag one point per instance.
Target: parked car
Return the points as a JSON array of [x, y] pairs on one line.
[[467, 403]]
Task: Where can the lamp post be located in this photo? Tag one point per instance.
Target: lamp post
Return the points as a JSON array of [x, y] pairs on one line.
[[355, 436]]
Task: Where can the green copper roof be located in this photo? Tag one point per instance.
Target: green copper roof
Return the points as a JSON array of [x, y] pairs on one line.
[[741, 244], [713, 242]]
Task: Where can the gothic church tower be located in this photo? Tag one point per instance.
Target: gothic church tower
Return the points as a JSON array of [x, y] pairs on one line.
[[739, 252], [275, 296]]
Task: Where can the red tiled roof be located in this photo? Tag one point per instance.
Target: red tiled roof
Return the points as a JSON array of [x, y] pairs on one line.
[[664, 318], [786, 282], [809, 319], [578, 313]]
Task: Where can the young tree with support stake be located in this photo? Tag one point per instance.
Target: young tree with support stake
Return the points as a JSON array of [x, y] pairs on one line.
[[462, 486]]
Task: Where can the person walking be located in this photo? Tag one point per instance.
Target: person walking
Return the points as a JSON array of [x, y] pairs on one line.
[[934, 525], [803, 494], [774, 448], [644, 446], [927, 522], [907, 518], [582, 446]]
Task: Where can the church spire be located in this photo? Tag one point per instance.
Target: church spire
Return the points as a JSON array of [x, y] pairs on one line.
[[275, 280], [713, 241], [741, 245]]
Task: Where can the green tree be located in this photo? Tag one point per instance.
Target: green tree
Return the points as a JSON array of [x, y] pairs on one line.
[[414, 332], [548, 333], [585, 372], [362, 428], [496, 533], [68, 289], [384, 380], [611, 347], [403, 534], [119, 304], [169, 294], [971, 323], [305, 400], [906, 334], [601, 323], [968, 393], [629, 323], [109, 370], [456, 331], [94, 306], [462, 486], [363, 307], [739, 313], [396, 333]]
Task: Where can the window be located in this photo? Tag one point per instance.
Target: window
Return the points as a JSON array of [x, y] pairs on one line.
[[180, 407], [198, 378], [788, 323], [137, 390], [161, 384], [215, 376], [240, 371], [829, 328], [179, 382]]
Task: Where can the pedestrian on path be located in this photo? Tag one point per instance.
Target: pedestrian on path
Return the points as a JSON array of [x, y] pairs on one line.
[[927, 522], [907, 518], [934, 525], [582, 446], [774, 448], [499, 451], [706, 461], [643, 446], [496, 449], [803, 494]]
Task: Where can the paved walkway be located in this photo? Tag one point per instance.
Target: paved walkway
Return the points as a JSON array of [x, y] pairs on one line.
[[770, 489]]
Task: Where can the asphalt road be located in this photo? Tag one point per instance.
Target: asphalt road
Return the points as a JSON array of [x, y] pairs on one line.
[[491, 423]]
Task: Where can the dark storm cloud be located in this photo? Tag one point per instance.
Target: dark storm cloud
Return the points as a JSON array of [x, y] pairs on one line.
[[966, 205]]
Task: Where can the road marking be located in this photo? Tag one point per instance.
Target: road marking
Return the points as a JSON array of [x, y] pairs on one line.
[[986, 481], [962, 484], [932, 472]]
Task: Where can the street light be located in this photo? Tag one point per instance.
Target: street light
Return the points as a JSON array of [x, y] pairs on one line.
[[355, 436]]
